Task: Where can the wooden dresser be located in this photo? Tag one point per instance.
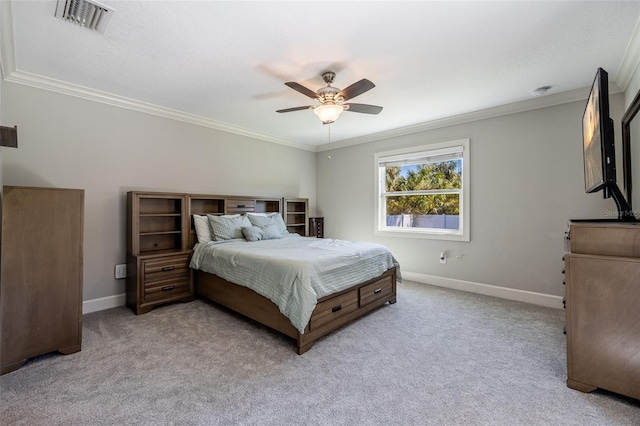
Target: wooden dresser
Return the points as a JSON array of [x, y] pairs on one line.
[[41, 275], [603, 307]]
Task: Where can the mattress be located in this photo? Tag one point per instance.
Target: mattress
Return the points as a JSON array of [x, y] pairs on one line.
[[294, 272]]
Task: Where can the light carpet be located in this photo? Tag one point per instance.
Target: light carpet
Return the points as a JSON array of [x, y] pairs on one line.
[[437, 357]]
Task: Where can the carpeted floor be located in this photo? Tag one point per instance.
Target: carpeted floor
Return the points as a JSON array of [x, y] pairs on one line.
[[437, 357]]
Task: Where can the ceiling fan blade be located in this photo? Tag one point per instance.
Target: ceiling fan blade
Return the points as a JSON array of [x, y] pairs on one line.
[[364, 108], [357, 88], [295, 109], [300, 88]]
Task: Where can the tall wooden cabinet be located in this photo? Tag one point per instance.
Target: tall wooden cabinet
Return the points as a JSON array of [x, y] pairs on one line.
[[603, 307], [41, 273], [157, 254]]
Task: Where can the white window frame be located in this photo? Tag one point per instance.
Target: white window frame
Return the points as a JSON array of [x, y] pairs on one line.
[[406, 155]]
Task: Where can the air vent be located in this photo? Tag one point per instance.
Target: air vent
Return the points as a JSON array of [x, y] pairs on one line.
[[87, 14]]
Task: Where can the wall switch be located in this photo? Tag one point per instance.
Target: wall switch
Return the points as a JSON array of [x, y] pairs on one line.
[[121, 271], [443, 258]]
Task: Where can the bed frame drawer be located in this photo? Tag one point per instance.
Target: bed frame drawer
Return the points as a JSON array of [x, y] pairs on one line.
[[376, 291], [334, 308]]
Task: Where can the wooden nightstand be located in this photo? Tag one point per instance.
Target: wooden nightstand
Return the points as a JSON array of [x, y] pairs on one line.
[[157, 258]]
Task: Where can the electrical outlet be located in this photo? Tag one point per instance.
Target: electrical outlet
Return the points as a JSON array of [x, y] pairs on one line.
[[121, 271]]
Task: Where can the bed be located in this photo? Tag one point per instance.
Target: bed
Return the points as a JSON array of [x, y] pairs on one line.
[[302, 287]]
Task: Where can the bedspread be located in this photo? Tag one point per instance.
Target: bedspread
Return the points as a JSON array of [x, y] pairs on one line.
[[294, 272]]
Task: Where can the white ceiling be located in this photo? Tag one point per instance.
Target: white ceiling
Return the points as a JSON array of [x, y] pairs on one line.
[[222, 64]]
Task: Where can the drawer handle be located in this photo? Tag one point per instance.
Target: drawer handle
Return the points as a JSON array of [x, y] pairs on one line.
[[168, 268], [241, 206], [168, 287], [377, 290], [336, 308]]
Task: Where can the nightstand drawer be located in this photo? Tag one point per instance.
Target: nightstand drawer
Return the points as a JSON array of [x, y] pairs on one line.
[[333, 308], [376, 291], [166, 289], [165, 267]]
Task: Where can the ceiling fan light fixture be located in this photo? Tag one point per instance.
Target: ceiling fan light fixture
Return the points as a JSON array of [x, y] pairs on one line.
[[328, 113]]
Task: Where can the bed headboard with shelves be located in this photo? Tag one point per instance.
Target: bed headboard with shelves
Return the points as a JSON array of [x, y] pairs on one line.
[[204, 204]]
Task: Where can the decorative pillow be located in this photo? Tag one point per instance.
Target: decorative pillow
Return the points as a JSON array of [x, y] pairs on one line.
[[270, 232], [201, 226], [227, 227], [270, 219], [252, 233]]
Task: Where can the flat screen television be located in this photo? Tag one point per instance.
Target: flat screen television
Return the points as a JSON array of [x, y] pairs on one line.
[[599, 146]]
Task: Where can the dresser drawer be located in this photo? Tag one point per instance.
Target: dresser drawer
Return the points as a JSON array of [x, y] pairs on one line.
[[379, 290], [165, 267], [333, 308], [605, 239]]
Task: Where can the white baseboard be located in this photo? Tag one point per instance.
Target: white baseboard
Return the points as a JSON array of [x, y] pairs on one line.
[[103, 303], [488, 290], [548, 300]]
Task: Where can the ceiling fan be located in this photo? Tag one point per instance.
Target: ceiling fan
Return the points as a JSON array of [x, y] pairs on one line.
[[332, 99]]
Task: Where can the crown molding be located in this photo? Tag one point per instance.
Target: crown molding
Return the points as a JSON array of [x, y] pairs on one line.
[[630, 60], [33, 80], [513, 108], [58, 86]]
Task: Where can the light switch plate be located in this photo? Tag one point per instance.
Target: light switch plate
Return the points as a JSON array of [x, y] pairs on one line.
[[121, 271]]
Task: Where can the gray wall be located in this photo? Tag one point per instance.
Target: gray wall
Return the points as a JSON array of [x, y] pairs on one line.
[[107, 151], [526, 183], [632, 90]]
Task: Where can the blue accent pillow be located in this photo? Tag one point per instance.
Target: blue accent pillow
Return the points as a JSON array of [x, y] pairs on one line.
[[252, 233], [270, 232], [269, 219]]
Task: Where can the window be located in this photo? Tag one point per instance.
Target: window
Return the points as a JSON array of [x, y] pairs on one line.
[[424, 191]]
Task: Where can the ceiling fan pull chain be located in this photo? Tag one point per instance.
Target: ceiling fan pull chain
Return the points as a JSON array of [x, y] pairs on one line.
[[329, 156]]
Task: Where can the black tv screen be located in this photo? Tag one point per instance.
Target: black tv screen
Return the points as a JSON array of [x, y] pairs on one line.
[[599, 149], [597, 135]]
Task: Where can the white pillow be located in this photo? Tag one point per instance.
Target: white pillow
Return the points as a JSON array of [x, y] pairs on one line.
[[227, 227], [201, 226]]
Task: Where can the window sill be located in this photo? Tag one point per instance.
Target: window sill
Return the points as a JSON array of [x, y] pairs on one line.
[[428, 235]]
